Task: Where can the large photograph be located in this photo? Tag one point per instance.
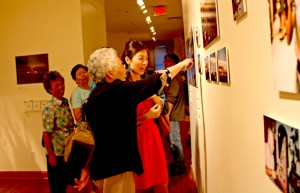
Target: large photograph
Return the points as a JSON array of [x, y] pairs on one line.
[[282, 160], [31, 68], [285, 33], [209, 20]]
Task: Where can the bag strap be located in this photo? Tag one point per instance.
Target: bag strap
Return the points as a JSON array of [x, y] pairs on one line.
[[83, 111]]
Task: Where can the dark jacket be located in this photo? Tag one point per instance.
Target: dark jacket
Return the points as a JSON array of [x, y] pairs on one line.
[[111, 113]]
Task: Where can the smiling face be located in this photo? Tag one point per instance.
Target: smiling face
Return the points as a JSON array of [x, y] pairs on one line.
[[57, 88], [139, 63]]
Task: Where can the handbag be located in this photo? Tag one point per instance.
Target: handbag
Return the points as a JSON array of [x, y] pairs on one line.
[[164, 125], [79, 145]]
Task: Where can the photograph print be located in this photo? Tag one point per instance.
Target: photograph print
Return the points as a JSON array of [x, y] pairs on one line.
[[284, 45], [238, 9], [223, 65], [207, 71], [31, 68], [282, 160], [209, 20], [213, 67], [191, 50]]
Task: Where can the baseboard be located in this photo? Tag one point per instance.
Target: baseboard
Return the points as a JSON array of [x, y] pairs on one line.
[[24, 175]]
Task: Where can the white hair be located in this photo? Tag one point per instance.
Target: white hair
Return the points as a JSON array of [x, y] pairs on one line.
[[100, 62]]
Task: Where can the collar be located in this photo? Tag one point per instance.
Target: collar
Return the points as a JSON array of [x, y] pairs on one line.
[[59, 102]]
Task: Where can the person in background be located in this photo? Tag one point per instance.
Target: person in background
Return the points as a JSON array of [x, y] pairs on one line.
[[155, 176], [80, 75], [176, 99], [58, 124], [111, 112]]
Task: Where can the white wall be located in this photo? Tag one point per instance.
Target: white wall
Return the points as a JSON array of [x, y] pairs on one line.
[[27, 28], [228, 143]]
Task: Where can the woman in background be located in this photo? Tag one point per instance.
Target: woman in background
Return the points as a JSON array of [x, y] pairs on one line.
[[58, 124], [80, 75]]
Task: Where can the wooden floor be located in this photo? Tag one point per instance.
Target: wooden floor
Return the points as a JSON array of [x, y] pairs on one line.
[[178, 184]]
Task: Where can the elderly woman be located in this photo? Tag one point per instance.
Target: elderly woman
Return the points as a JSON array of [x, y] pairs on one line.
[[111, 112], [58, 124], [80, 75]]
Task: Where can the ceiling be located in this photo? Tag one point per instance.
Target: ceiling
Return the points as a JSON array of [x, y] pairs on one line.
[[125, 16]]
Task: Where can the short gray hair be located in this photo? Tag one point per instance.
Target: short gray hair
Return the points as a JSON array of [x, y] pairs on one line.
[[100, 61]]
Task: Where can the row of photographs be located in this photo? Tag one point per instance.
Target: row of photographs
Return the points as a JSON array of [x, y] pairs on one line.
[[216, 67]]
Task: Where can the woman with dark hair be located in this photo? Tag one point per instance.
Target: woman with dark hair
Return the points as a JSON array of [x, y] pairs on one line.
[[135, 57], [58, 124], [80, 75]]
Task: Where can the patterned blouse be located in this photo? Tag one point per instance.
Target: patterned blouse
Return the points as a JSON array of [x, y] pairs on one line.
[[58, 119]]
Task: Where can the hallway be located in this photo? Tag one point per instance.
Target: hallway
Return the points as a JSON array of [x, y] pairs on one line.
[[178, 184]]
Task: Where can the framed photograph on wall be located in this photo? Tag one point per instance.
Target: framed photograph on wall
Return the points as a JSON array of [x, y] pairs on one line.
[[31, 68], [285, 49], [207, 71], [282, 159], [209, 20], [223, 67], [213, 67], [238, 9], [197, 37], [199, 61], [191, 54]]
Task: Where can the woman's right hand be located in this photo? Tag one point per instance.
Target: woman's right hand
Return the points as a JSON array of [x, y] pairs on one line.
[[154, 112]]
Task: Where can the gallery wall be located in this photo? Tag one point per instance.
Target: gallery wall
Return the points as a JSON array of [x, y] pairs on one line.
[[227, 125], [29, 28]]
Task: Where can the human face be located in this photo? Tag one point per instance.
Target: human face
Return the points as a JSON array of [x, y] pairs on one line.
[[139, 62], [119, 71], [57, 88], [82, 77], [168, 62]]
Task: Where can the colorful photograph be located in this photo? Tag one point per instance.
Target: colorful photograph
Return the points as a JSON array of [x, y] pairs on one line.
[[223, 68], [285, 45], [213, 67], [238, 9], [209, 20], [282, 159], [31, 68], [191, 49], [199, 63], [207, 71]]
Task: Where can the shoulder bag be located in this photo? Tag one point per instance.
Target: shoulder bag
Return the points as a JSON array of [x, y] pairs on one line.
[[79, 145]]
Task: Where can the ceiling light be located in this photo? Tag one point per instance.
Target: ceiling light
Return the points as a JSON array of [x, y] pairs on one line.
[[143, 7], [140, 2], [153, 38], [145, 11], [148, 19]]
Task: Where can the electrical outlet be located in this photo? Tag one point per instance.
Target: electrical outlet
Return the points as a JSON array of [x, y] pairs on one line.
[[32, 155]]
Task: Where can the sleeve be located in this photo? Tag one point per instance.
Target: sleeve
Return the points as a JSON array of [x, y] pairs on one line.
[[174, 90], [76, 101], [142, 89]]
